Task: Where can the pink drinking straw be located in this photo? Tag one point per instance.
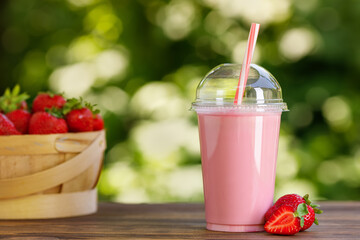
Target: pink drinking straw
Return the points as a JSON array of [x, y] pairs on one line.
[[254, 31]]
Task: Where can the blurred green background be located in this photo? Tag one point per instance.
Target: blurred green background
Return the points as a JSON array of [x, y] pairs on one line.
[[141, 61]]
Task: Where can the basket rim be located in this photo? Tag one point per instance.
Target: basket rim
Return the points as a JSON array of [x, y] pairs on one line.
[[51, 134], [46, 144]]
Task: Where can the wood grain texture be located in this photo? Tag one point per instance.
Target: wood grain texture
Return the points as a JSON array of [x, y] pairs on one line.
[[340, 220], [45, 144], [22, 175], [44, 206], [50, 185]]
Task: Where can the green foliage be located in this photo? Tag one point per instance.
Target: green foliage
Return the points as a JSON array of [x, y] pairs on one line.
[[140, 62]]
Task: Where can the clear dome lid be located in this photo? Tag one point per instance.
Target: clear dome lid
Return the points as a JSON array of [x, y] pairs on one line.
[[218, 89]]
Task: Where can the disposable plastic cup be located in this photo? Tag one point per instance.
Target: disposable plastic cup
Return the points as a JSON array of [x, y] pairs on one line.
[[239, 145]]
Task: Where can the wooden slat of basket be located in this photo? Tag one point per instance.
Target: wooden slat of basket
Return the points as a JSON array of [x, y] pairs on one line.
[[64, 157], [86, 180], [9, 188], [45, 144], [22, 165], [44, 206], [12, 166]]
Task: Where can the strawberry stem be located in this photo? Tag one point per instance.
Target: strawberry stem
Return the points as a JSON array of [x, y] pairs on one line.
[[307, 200]]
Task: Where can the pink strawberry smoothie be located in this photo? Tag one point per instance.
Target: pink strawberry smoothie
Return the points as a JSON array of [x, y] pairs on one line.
[[238, 154]]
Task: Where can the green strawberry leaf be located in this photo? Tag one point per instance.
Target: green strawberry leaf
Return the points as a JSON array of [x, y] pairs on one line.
[[92, 108], [55, 112], [16, 90], [302, 210], [302, 222], [7, 92], [307, 200], [74, 103], [316, 221], [12, 99], [51, 94], [318, 211], [314, 205]]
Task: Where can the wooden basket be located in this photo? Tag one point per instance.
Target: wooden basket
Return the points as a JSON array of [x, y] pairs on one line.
[[50, 176]]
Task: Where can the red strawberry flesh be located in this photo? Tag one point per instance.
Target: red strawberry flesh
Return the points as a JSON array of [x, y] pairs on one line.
[[283, 221], [304, 209]]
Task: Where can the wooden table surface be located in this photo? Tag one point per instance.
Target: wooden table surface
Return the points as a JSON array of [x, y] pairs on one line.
[[340, 220]]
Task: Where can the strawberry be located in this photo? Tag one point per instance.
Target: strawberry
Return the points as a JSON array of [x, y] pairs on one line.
[[79, 115], [47, 123], [296, 200], [283, 221], [309, 219], [290, 198], [47, 100], [21, 119], [13, 104], [98, 122], [80, 120], [270, 212], [286, 199], [7, 127]]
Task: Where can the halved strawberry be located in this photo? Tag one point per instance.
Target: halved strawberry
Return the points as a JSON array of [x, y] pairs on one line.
[[293, 198], [287, 219], [296, 200], [283, 221], [270, 212]]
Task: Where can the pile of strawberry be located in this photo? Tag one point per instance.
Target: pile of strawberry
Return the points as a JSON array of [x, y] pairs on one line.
[[50, 113], [291, 214]]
